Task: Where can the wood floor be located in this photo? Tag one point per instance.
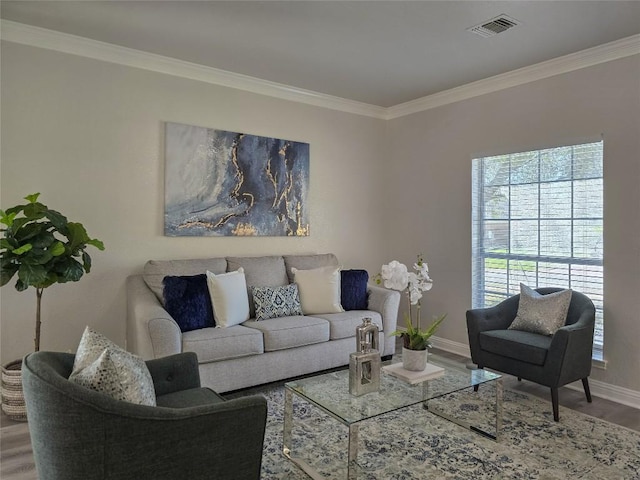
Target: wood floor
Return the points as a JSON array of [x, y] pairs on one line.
[[600, 408]]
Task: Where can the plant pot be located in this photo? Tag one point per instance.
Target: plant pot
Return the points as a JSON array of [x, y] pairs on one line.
[[12, 396], [414, 360]]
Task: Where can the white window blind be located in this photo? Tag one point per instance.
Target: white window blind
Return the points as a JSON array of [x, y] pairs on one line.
[[538, 219]]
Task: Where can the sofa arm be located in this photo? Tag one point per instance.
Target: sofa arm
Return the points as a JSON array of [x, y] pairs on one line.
[[479, 320], [151, 331], [569, 356], [386, 302]]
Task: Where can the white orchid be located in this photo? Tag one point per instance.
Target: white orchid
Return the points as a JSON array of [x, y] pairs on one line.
[[421, 267], [414, 288], [396, 276], [426, 283], [414, 295]]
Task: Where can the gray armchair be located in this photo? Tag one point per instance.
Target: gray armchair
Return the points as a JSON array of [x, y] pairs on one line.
[[552, 361], [193, 433]]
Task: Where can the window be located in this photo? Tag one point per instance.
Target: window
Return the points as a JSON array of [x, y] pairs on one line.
[[537, 219]]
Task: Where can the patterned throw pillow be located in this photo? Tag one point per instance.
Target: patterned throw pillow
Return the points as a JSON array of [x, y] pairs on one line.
[[103, 366], [543, 314], [272, 302], [187, 300], [353, 289]]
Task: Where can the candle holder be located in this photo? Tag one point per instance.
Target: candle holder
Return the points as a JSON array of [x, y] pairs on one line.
[[364, 364]]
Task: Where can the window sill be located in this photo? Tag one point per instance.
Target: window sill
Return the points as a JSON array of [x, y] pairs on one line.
[[597, 360]]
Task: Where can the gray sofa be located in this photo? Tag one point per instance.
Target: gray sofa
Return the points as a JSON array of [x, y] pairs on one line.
[[254, 352]]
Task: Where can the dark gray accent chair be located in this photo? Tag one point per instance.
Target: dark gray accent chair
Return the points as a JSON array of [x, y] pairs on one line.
[[552, 361], [193, 433]]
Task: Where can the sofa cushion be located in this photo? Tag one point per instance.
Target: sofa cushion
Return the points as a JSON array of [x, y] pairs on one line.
[[192, 397], [187, 300], [524, 346], [307, 262], [214, 344], [229, 298], [289, 332], [319, 289], [260, 272], [156, 270], [343, 325], [542, 314], [273, 302], [353, 289]]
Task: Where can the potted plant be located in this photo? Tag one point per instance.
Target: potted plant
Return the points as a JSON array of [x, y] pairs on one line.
[[415, 340], [42, 247]]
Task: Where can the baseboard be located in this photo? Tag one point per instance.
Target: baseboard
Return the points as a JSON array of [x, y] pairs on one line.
[[461, 349], [625, 396]]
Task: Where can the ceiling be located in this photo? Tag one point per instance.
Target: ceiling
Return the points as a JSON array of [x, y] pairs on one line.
[[382, 53]]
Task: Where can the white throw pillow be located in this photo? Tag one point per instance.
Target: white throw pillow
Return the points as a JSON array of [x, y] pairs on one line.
[[319, 289], [543, 314], [229, 297], [103, 366]]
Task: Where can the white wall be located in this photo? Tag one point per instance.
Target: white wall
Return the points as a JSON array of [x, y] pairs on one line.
[[431, 208], [88, 135]]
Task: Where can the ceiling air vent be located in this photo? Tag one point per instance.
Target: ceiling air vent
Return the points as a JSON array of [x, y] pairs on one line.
[[494, 26]]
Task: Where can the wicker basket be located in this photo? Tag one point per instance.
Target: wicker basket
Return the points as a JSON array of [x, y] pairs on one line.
[[12, 397]]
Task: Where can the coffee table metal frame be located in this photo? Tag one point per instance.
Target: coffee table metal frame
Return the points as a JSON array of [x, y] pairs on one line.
[[394, 394]]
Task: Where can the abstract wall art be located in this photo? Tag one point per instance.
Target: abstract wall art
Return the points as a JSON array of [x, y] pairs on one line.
[[220, 183]]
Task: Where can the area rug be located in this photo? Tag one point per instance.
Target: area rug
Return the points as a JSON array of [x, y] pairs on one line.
[[416, 444]]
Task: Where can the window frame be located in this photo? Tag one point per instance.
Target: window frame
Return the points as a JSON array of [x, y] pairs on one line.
[[480, 254]]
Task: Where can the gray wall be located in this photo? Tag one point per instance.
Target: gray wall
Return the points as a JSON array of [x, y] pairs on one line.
[[431, 179], [88, 136]]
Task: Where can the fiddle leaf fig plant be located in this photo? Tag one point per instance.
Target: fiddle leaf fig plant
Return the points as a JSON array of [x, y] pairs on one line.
[[42, 247]]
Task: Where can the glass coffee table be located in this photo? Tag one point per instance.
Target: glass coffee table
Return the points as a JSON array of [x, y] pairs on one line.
[[330, 393]]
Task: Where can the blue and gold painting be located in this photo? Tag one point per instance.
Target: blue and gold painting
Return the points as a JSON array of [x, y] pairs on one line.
[[220, 183]]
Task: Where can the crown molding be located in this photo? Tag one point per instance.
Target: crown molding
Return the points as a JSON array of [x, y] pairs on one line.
[[85, 47], [75, 45], [568, 63]]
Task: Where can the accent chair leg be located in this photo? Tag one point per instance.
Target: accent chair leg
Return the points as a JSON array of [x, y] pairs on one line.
[[475, 387], [587, 390], [554, 402], [519, 379]]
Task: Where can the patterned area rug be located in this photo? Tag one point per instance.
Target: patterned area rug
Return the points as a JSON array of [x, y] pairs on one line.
[[416, 444]]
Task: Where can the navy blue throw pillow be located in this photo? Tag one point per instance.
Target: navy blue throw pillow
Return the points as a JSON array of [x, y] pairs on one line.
[[353, 289], [188, 301]]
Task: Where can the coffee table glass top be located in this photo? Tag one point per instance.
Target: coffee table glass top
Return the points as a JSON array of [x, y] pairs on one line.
[[330, 391]]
